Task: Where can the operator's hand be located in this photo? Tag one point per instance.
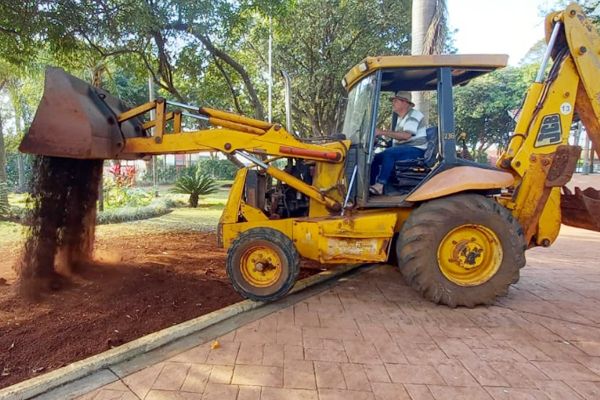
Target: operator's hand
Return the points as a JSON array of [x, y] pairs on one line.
[[379, 132]]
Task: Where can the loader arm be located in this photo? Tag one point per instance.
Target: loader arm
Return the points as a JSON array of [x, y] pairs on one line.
[[76, 120], [236, 135], [539, 154]]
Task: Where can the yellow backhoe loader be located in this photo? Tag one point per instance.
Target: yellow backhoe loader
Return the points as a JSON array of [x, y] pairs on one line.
[[458, 229]]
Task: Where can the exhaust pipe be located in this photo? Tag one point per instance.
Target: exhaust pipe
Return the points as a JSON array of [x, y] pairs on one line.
[[288, 101]]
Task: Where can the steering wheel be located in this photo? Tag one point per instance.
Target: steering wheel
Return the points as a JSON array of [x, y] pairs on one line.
[[382, 142]]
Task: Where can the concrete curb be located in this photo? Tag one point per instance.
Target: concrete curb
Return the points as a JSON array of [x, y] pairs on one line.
[[79, 369]]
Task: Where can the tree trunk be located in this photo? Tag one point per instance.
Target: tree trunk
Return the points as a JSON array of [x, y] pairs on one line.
[[4, 206], [17, 108], [426, 38], [194, 200], [21, 171]]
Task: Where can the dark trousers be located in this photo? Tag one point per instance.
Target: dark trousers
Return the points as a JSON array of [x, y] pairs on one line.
[[383, 162]]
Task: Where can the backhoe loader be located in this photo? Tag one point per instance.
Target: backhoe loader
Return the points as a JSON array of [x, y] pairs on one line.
[[458, 229]]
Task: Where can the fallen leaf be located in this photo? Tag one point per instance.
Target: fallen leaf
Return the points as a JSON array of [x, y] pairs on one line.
[[215, 345]]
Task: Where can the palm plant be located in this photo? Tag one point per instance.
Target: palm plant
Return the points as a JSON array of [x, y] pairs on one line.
[[195, 183]]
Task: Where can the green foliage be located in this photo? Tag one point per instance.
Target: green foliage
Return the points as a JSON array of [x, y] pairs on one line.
[[117, 196], [155, 208], [213, 51], [218, 169], [164, 174], [195, 183], [12, 169], [320, 40], [483, 107]]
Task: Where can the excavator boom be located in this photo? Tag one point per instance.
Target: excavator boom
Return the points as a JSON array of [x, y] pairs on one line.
[[539, 154]]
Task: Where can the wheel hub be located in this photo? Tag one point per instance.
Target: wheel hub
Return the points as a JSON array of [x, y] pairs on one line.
[[470, 255], [261, 266]]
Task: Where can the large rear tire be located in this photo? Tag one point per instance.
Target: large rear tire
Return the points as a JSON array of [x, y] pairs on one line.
[[462, 250], [262, 264]]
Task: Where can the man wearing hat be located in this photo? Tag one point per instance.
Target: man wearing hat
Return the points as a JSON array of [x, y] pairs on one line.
[[410, 141]]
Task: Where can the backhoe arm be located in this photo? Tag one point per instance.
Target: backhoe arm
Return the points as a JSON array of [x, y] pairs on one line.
[[539, 154]]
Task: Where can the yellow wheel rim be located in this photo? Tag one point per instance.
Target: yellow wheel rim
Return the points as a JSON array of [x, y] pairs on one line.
[[469, 255], [260, 266]]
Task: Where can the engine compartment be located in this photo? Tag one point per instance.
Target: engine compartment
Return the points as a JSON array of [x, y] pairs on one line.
[[276, 199]]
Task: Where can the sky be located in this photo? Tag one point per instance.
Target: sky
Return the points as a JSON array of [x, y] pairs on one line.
[[497, 26]]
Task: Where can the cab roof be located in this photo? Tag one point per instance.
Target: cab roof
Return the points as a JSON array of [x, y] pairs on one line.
[[420, 72]]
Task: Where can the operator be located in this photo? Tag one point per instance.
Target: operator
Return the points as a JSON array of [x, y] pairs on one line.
[[410, 141]]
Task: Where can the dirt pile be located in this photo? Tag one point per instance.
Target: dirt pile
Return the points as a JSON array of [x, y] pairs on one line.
[[159, 280], [61, 229]]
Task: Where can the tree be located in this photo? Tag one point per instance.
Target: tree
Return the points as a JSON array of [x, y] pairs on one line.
[[5, 74], [319, 41], [4, 205], [484, 107]]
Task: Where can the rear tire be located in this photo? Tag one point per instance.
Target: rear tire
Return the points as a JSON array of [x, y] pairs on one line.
[[262, 264], [462, 250]]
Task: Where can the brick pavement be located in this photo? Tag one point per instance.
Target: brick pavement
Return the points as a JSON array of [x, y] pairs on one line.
[[371, 337]]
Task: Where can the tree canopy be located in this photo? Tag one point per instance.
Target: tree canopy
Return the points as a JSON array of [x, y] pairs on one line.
[[215, 52]]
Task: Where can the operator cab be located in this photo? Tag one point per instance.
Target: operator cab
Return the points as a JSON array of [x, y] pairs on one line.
[[370, 85]]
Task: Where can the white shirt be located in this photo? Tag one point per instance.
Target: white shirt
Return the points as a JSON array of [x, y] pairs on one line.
[[414, 123]]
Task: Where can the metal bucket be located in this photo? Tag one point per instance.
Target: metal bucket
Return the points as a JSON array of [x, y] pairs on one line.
[[581, 209], [76, 120]]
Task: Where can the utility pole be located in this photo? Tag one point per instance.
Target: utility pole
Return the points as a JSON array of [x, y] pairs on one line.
[[151, 97]]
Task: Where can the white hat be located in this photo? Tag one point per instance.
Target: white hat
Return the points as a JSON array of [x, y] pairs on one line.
[[400, 94]]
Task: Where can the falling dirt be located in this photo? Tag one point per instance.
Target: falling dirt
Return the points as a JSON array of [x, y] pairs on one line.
[[61, 229]]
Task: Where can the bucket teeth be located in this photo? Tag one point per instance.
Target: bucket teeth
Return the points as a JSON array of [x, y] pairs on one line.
[[76, 120], [581, 209]]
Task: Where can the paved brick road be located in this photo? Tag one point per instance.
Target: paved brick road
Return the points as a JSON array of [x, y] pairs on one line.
[[371, 337]]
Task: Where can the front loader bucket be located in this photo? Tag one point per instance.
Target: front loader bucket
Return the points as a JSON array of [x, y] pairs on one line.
[[76, 120], [581, 209]]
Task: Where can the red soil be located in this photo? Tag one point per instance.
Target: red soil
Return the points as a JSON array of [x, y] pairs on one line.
[[141, 284]]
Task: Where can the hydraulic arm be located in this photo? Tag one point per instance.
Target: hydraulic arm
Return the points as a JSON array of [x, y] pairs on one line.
[[93, 124], [539, 154]]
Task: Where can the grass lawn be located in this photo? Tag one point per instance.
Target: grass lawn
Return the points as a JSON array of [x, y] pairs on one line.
[[204, 218], [180, 219], [9, 232], [18, 199]]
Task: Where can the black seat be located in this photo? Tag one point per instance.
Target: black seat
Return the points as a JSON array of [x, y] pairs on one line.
[[408, 173]]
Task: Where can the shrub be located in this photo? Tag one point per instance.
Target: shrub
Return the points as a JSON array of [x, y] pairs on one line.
[[195, 183], [123, 176], [218, 169], [156, 208], [116, 195]]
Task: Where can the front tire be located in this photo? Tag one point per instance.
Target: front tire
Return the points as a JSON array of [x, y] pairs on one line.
[[262, 264], [462, 250]]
